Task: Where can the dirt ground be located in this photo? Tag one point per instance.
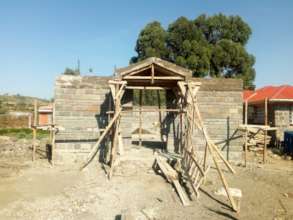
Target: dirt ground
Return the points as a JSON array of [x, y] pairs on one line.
[[39, 191]]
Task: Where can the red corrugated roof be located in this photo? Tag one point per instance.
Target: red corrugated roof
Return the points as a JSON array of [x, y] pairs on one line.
[[247, 93], [270, 92]]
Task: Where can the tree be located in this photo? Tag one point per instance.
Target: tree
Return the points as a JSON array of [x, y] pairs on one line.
[[151, 42], [72, 72], [213, 45]]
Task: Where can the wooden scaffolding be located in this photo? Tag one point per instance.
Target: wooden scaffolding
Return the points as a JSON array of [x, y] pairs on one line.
[[157, 74]]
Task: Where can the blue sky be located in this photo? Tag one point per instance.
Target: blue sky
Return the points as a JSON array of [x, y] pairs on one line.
[[38, 39]]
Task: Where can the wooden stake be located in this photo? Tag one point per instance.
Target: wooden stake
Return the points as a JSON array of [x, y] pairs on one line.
[[53, 135], [35, 128], [140, 117]]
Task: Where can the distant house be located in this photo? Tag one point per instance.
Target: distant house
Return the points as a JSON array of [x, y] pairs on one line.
[[45, 114], [279, 101]]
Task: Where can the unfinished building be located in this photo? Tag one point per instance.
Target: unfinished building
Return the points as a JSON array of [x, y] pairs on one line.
[[83, 105], [92, 119]]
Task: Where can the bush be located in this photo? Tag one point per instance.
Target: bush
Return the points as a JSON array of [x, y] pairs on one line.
[[26, 133]]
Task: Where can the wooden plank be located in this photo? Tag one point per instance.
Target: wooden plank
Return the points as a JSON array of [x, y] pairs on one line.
[[119, 82], [139, 71], [167, 172], [147, 110], [168, 78], [148, 87], [161, 66], [172, 177], [181, 193]]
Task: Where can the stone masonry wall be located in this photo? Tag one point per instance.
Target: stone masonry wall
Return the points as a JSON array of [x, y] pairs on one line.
[[81, 104]]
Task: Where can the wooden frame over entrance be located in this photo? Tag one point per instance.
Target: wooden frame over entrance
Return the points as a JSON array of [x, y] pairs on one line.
[[157, 74]]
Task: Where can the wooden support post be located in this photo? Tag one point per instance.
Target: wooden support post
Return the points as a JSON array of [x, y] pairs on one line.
[[153, 74], [95, 148], [205, 157], [115, 130], [53, 128], [160, 115], [140, 117], [181, 133], [35, 129], [217, 151], [115, 140], [265, 131], [223, 180]]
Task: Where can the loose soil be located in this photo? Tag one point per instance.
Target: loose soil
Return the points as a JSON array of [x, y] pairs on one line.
[[39, 191]]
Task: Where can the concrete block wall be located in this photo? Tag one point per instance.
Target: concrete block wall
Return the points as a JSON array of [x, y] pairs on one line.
[[220, 104], [80, 109], [282, 119], [81, 104]]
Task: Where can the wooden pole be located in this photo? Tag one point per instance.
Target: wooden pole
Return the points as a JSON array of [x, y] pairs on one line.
[[35, 129], [160, 114], [153, 74], [115, 142], [205, 157], [115, 131], [140, 117], [53, 129], [224, 182], [181, 133], [95, 148], [217, 151], [265, 131]]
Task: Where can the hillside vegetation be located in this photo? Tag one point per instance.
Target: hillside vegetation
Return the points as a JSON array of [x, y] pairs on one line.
[[11, 103]]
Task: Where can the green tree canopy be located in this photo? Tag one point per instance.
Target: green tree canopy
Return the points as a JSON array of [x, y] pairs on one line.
[[213, 45], [151, 42]]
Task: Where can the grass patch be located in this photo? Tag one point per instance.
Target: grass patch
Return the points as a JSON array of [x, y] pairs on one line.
[[23, 133]]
